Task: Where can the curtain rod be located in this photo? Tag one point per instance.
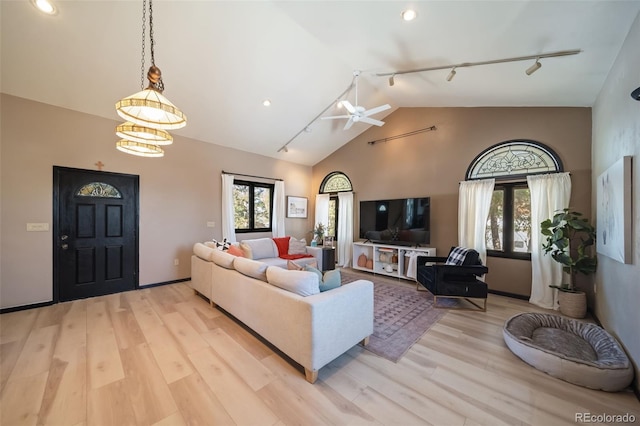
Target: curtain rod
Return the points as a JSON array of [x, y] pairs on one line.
[[253, 176], [404, 135]]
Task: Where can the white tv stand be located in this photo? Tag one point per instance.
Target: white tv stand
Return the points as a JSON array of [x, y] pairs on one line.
[[388, 259]]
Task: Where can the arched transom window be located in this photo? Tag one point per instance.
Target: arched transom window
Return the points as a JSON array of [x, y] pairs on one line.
[[514, 159], [335, 182]]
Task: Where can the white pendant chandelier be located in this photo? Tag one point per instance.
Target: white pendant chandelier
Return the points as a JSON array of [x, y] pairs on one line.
[[148, 113]]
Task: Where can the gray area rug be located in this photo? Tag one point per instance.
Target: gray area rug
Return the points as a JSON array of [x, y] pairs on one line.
[[401, 316]]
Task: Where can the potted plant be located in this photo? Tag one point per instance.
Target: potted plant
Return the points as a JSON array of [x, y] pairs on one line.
[[569, 237], [318, 234]]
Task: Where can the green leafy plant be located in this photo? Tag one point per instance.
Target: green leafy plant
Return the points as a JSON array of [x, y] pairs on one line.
[[318, 232], [568, 238]]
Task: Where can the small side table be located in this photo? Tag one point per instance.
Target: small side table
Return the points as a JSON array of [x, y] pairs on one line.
[[326, 257]]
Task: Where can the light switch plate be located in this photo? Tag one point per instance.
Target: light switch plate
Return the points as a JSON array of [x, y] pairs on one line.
[[37, 227]]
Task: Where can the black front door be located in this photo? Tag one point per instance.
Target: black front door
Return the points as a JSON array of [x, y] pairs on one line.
[[95, 233]]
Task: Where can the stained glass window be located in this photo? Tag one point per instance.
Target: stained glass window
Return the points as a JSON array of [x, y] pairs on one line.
[[515, 158], [98, 189], [335, 182]]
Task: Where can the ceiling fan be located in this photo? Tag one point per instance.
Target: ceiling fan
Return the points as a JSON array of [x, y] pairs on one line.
[[358, 113]]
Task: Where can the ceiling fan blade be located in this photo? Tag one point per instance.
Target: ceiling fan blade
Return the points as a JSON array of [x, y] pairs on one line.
[[349, 123], [371, 121], [376, 110], [335, 116], [348, 106]]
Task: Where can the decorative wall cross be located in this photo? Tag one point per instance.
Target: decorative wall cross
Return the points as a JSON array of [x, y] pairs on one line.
[[99, 165]]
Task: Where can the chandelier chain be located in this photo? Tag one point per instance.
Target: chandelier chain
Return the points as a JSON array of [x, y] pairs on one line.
[[151, 41], [144, 28]]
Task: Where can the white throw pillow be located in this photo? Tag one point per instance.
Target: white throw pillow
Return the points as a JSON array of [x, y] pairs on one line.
[[297, 246], [259, 248], [300, 282], [251, 268]]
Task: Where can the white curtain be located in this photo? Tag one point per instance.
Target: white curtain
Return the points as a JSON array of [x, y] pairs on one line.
[[345, 228], [474, 203], [277, 221], [228, 214], [322, 210], [549, 193]]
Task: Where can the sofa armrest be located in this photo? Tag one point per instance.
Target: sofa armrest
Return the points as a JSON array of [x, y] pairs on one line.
[[430, 259], [459, 270], [316, 252], [340, 318]]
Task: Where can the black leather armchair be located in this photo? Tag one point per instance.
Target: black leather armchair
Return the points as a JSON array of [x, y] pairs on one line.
[[455, 276]]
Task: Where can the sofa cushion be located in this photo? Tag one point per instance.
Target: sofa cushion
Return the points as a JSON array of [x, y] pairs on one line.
[[282, 243], [297, 246], [300, 282], [259, 248], [251, 268], [202, 251], [222, 258], [328, 281]]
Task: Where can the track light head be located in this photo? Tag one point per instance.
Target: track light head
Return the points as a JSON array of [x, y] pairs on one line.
[[451, 74], [636, 94], [533, 68], [391, 80]]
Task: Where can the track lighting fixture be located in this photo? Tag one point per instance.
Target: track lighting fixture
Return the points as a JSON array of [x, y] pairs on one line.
[[636, 94], [451, 74], [533, 68], [391, 80], [452, 67]]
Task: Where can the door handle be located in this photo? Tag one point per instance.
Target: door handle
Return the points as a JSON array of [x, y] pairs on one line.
[[64, 237], [64, 246]]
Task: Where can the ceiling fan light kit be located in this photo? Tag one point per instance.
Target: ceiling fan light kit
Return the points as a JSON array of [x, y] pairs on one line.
[[148, 113]]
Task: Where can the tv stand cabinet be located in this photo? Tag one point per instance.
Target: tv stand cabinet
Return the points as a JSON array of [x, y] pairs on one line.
[[388, 259]]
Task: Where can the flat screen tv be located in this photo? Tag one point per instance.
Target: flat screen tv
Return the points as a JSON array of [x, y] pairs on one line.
[[404, 221]]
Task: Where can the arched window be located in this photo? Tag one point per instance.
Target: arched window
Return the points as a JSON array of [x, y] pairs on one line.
[[333, 183], [508, 231], [514, 159]]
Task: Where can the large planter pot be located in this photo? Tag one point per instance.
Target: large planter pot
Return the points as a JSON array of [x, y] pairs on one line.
[[573, 304]]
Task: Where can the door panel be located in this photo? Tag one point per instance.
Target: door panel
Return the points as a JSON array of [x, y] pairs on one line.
[[95, 233]]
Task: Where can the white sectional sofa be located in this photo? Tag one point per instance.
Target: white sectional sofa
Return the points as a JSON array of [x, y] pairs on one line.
[[285, 306]]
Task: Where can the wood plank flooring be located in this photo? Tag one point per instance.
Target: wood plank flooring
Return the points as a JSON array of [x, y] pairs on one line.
[[163, 356]]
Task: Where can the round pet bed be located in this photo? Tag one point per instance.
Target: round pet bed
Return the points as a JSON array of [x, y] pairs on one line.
[[577, 352]]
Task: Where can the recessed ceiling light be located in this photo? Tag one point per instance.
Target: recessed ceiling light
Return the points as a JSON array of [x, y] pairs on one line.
[[409, 15], [266, 102], [45, 6]]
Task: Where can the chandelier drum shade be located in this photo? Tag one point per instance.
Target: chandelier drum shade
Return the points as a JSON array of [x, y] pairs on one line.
[[140, 149], [148, 113], [137, 133]]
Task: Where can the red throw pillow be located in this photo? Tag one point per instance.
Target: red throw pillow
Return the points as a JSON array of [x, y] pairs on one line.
[[283, 245], [235, 250]]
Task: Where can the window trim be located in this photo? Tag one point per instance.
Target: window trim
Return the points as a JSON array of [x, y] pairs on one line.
[[507, 229], [252, 185]]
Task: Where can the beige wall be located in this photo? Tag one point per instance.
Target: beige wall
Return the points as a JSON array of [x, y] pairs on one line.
[[616, 133], [433, 163], [179, 193]]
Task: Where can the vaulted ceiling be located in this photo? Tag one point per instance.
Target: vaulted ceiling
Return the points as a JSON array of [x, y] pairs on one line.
[[221, 59]]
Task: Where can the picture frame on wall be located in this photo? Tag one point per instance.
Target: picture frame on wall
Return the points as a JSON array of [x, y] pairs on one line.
[[613, 227], [297, 207]]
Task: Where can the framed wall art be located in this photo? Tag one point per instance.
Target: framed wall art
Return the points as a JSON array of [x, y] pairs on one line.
[[297, 207], [613, 225]]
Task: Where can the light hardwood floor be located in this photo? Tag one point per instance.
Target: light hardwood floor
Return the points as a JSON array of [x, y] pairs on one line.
[[163, 356]]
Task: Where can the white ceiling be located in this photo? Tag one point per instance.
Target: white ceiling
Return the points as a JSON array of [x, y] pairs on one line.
[[221, 59]]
